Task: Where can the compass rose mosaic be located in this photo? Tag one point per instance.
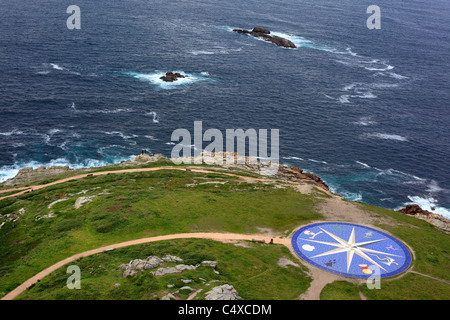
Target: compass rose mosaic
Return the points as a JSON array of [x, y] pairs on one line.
[[351, 250]]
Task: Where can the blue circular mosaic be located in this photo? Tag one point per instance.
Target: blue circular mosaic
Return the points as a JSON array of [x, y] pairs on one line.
[[351, 250]]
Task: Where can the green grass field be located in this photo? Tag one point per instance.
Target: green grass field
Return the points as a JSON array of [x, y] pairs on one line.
[[252, 270], [137, 205]]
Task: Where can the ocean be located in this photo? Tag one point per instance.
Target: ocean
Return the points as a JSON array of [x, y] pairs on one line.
[[366, 110]]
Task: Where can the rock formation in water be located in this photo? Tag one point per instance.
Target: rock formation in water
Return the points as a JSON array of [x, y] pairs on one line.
[[264, 34], [171, 77]]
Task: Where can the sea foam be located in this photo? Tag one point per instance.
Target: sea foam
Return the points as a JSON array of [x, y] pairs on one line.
[[155, 79], [429, 204]]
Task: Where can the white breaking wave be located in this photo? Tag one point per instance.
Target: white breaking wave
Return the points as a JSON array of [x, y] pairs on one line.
[[11, 133], [18, 145], [350, 196], [54, 131], [217, 50], [59, 68], [120, 134], [302, 42], [155, 79], [396, 76], [365, 165], [199, 52], [358, 90], [349, 50], [345, 98], [154, 115], [386, 136], [103, 111], [365, 121], [395, 172], [293, 158], [388, 67], [56, 67], [428, 204], [391, 75], [317, 161], [365, 95], [433, 187]]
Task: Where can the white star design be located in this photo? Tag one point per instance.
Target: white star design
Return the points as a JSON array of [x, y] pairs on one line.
[[351, 248]]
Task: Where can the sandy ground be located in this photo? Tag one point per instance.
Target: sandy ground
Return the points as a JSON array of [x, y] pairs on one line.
[[338, 209]]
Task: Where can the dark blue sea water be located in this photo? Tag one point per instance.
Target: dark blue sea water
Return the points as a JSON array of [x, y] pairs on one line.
[[367, 110]]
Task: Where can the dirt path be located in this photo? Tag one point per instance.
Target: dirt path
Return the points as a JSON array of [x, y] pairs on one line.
[[434, 278], [212, 236], [102, 173]]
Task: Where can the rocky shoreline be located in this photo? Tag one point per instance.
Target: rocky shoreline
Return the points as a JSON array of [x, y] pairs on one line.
[[29, 175], [264, 34], [437, 220]]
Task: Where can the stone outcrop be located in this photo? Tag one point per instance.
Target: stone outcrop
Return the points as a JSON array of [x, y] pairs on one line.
[[223, 292], [253, 164], [212, 264], [171, 77], [81, 201], [28, 174], [12, 217], [171, 270], [435, 219], [152, 262], [413, 209], [168, 296], [297, 174], [144, 158], [264, 34], [134, 266], [170, 258]]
